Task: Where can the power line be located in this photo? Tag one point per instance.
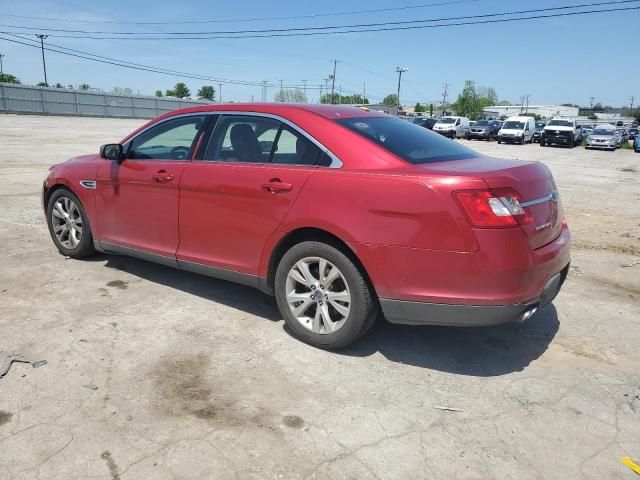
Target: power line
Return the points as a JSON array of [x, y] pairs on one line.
[[321, 30], [122, 63], [263, 19]]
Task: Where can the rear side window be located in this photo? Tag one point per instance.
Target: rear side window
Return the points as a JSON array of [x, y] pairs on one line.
[[254, 139], [245, 139], [410, 142], [292, 148]]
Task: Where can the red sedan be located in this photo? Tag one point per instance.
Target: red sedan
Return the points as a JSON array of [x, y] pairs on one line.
[[338, 212]]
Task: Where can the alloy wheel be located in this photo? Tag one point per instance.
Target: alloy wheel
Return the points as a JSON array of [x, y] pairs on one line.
[[318, 295], [66, 221]]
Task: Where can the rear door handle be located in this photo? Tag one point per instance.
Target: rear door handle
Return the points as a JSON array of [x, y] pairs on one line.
[[162, 177], [275, 186]]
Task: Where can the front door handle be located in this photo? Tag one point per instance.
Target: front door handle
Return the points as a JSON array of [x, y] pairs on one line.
[[275, 186], [162, 177]]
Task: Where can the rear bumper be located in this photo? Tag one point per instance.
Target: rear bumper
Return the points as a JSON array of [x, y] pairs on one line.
[[421, 313]]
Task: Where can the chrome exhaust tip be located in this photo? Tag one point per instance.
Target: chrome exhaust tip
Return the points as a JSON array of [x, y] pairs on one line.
[[528, 314]]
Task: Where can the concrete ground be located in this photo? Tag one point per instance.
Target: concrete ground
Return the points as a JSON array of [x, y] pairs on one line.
[[160, 374]]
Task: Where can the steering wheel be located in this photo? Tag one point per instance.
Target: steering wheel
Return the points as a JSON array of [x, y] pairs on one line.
[[180, 153]]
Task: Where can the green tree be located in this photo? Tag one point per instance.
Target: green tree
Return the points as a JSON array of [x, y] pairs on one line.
[[419, 108], [208, 92], [8, 78], [390, 100], [122, 91], [292, 95], [467, 103], [344, 99], [181, 90], [158, 93], [492, 96], [59, 85], [84, 86], [41, 84], [431, 109], [169, 93], [570, 105], [598, 106]]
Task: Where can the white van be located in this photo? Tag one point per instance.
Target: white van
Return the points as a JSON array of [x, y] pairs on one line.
[[452, 127], [517, 130]]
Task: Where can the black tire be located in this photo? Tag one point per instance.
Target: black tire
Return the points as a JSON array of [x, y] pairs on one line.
[[542, 143], [85, 247], [364, 304], [571, 143], [499, 140]]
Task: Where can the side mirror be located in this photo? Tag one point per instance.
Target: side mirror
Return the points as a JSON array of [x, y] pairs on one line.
[[112, 151]]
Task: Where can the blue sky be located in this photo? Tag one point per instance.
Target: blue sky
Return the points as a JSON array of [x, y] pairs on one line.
[[555, 60]]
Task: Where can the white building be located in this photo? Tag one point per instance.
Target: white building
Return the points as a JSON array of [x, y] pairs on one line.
[[545, 111]]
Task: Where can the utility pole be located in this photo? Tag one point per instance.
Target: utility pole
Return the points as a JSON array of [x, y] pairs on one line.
[[281, 90], [304, 89], [1, 69], [400, 71], [444, 98], [632, 97], [333, 82], [527, 107], [592, 99], [364, 92], [44, 65], [326, 88], [264, 90], [220, 92]]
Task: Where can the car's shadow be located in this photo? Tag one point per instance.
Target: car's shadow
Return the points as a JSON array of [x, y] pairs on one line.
[[485, 351]]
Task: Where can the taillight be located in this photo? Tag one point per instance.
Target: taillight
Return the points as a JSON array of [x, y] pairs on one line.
[[498, 208]]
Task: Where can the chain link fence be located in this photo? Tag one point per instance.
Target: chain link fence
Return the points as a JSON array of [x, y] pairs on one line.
[[16, 98]]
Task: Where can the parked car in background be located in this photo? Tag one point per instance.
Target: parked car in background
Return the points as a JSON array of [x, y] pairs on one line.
[[517, 130], [632, 132], [603, 137], [538, 132], [337, 212], [496, 125], [452, 127], [481, 130], [623, 135], [586, 130], [426, 122], [636, 144], [561, 131]]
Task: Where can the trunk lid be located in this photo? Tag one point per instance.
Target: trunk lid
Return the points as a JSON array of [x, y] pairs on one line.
[[532, 180], [539, 198]]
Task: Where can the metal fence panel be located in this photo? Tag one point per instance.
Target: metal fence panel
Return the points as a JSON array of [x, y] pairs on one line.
[[53, 101]]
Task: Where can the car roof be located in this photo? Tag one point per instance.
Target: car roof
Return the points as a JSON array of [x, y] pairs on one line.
[[332, 112]]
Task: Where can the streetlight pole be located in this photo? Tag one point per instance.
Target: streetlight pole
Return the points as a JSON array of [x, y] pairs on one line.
[[400, 71], [333, 82], [304, 89], [44, 64], [219, 93], [1, 69]]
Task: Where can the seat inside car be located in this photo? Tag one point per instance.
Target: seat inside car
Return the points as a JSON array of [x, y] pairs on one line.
[[244, 142]]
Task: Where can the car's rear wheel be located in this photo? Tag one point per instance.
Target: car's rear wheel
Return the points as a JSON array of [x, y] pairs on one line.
[[68, 225], [323, 296]]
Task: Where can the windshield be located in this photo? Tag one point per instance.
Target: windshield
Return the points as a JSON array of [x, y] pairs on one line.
[[447, 120], [602, 131], [482, 123], [513, 125], [560, 123], [408, 141]]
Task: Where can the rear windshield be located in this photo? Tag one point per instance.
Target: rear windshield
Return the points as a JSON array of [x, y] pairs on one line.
[[482, 123], [410, 142]]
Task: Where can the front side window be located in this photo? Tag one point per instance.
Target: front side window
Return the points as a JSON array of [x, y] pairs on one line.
[[169, 140], [413, 144]]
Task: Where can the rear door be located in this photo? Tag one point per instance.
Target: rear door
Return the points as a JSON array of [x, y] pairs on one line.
[[252, 169], [137, 199]]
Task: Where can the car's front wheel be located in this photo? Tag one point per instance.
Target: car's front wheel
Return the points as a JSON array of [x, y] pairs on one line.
[[323, 296], [68, 225]]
